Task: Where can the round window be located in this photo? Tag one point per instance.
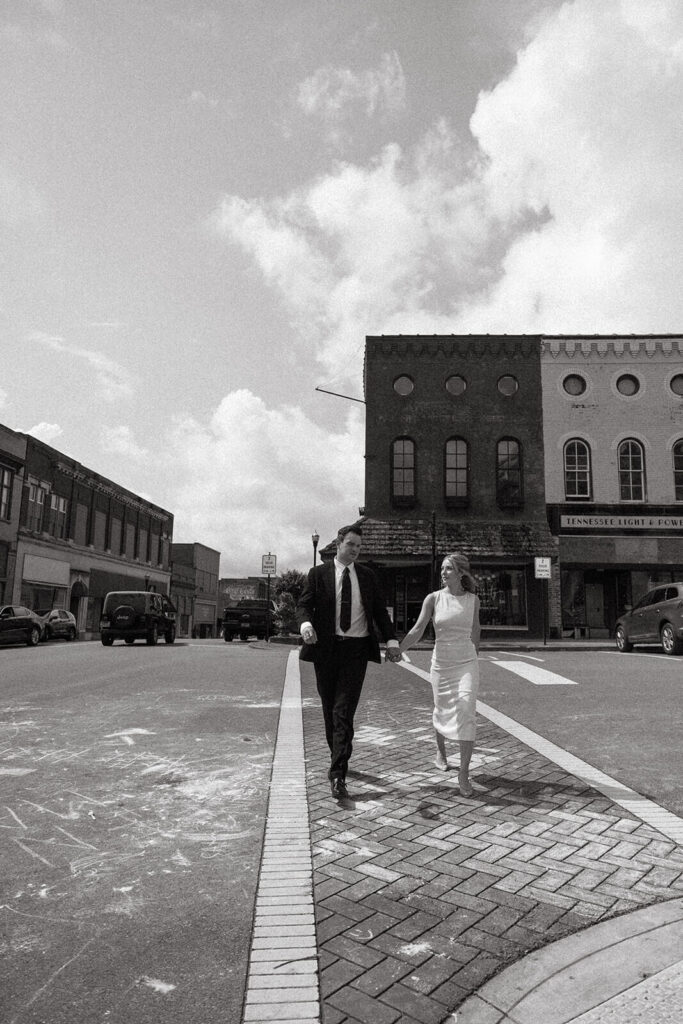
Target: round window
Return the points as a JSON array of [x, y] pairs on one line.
[[628, 385], [507, 385], [574, 384], [676, 384], [456, 385], [403, 385]]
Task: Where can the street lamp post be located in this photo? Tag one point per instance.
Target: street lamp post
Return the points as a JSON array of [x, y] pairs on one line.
[[315, 538]]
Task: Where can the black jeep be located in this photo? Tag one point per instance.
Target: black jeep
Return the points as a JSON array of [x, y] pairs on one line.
[[132, 615]]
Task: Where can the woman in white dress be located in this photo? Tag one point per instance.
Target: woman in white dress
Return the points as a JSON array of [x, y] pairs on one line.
[[454, 610]]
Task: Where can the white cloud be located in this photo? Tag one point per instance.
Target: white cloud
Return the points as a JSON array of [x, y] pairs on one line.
[[113, 381], [46, 432], [3, 398], [254, 479], [200, 99], [19, 201], [562, 213], [338, 96], [120, 441], [26, 39]]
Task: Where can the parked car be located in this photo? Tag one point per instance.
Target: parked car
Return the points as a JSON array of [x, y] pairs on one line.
[[656, 619], [58, 622], [19, 625], [248, 617], [132, 615]]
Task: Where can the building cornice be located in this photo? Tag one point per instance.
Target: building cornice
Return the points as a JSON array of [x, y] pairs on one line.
[[645, 347], [464, 347], [102, 487]]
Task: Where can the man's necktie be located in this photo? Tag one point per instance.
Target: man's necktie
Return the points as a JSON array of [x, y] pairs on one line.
[[345, 607]]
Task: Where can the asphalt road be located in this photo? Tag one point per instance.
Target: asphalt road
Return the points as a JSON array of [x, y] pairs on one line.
[[135, 783], [622, 713]]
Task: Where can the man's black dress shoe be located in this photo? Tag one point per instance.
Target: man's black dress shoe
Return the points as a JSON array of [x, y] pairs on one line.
[[339, 790]]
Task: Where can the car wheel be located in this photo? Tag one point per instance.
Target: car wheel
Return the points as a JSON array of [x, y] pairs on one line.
[[130, 639], [153, 635], [71, 635], [33, 637], [169, 637], [670, 642], [623, 644], [107, 640]]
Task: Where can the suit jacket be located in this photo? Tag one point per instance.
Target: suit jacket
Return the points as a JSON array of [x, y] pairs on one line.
[[317, 605]]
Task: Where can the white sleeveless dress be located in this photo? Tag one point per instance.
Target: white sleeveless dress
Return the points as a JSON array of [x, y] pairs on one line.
[[455, 668]]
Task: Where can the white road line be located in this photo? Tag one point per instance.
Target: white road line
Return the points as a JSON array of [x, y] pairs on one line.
[[282, 983], [516, 654], [670, 825], [641, 654], [536, 675]]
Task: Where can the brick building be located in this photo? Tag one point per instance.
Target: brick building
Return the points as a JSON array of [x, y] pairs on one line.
[[455, 462], [12, 461], [613, 432], [81, 535], [203, 562]]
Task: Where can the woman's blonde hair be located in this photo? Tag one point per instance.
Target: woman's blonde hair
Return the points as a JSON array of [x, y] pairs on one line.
[[461, 565]]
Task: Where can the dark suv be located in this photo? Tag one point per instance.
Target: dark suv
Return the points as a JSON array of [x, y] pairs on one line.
[[132, 615], [656, 619]]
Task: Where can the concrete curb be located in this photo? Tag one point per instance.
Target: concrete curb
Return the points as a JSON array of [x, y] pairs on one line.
[[612, 958]]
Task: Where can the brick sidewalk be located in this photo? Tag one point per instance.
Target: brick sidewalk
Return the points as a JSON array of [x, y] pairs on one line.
[[421, 895]]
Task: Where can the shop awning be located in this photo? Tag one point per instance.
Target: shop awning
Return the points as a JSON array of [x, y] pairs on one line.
[[401, 539]]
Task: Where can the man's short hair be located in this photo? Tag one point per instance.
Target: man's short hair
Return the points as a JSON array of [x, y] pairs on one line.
[[343, 530]]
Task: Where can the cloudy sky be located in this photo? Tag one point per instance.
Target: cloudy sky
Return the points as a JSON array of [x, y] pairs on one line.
[[204, 209]]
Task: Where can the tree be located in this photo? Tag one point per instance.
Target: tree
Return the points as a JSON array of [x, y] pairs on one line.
[[291, 582], [288, 590]]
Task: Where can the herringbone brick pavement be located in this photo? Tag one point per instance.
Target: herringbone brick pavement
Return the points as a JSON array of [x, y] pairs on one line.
[[422, 895]]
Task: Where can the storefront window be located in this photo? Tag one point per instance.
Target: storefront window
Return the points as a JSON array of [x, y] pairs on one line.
[[43, 597], [502, 598], [573, 599]]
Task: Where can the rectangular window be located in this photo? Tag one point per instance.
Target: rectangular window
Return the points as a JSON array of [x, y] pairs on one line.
[[56, 519], [403, 475], [6, 477], [456, 469], [36, 507]]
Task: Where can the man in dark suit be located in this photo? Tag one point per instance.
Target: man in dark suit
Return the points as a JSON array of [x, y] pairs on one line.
[[337, 614]]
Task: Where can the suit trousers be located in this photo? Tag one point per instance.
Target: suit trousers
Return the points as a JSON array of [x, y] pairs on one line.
[[339, 676]]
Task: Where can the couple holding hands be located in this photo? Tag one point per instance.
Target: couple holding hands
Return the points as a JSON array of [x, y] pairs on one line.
[[341, 603]]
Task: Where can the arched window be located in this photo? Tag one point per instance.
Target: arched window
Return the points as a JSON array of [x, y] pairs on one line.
[[577, 471], [456, 471], [403, 470], [678, 470], [631, 471], [509, 472]]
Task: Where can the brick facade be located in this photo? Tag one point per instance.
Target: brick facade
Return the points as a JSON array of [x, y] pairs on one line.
[[406, 535], [81, 535]]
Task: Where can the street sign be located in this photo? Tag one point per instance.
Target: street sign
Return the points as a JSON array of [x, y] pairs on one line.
[[269, 564], [542, 568]]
